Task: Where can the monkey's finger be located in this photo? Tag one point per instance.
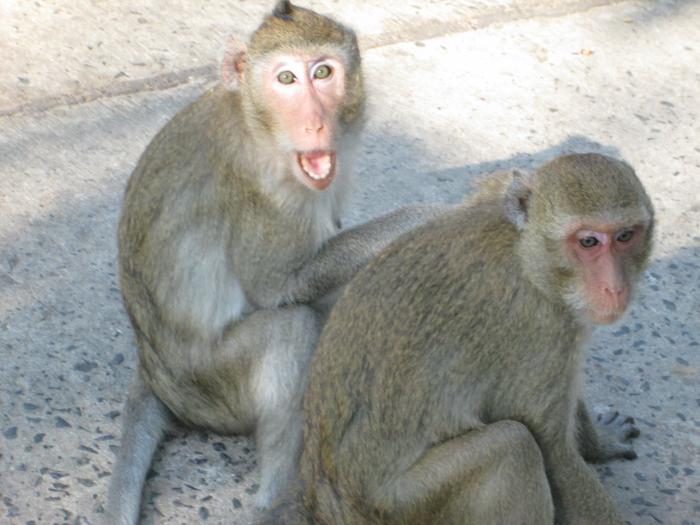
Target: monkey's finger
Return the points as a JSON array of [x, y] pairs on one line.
[[608, 417], [629, 454], [630, 431]]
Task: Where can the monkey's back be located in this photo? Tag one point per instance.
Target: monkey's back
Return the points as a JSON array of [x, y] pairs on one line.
[[173, 168], [372, 407], [174, 259]]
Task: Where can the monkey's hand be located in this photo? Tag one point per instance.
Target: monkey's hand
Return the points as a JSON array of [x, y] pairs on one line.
[[606, 436]]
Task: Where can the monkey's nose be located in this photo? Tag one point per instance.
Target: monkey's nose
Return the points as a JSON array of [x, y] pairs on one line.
[[314, 129], [617, 296]]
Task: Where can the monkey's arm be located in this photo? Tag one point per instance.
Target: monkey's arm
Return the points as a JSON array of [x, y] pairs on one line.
[[614, 431], [343, 255]]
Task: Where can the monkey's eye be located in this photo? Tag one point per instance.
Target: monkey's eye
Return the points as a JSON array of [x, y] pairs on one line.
[[286, 77], [323, 71], [625, 236], [588, 242]]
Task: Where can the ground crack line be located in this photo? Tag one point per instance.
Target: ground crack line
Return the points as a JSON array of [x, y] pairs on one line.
[[418, 31]]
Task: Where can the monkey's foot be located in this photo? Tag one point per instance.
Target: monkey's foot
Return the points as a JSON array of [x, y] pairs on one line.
[[615, 431]]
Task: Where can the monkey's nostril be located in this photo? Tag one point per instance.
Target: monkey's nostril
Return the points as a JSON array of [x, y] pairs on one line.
[[614, 291]]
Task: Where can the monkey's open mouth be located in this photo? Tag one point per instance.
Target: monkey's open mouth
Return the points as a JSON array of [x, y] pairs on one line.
[[318, 168]]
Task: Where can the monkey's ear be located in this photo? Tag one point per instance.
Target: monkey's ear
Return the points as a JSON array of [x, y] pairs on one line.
[[233, 63], [517, 199]]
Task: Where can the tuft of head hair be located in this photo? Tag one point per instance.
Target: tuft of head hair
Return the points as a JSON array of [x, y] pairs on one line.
[[283, 10], [293, 27]]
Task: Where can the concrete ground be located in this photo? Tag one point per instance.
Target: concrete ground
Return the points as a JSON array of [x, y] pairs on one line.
[[456, 89]]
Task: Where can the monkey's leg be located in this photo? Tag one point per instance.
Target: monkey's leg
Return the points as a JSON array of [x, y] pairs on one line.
[[579, 496], [145, 421], [493, 474], [280, 344], [608, 439]]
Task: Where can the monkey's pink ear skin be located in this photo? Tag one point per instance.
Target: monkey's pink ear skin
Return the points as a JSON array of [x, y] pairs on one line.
[[517, 199], [233, 63]]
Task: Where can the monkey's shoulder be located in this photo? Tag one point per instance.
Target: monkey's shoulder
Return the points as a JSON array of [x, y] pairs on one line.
[[447, 264], [196, 141], [186, 170]]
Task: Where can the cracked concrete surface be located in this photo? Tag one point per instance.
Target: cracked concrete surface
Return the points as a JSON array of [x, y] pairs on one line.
[[456, 89]]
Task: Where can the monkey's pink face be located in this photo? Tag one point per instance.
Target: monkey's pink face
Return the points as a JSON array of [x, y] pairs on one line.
[[604, 255], [306, 92]]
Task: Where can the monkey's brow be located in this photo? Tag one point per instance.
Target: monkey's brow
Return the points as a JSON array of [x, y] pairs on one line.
[[607, 220], [310, 60]]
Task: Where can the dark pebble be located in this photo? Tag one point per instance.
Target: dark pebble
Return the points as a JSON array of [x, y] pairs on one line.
[[85, 366], [668, 304], [624, 330], [639, 500]]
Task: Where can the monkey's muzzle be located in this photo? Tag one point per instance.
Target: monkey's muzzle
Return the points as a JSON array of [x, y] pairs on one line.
[[317, 167]]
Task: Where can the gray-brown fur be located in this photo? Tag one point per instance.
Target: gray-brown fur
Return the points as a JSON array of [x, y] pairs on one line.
[[291, 26], [227, 264], [445, 387]]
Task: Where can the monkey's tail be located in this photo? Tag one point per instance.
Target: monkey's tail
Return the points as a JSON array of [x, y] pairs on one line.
[[146, 420], [289, 510]]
